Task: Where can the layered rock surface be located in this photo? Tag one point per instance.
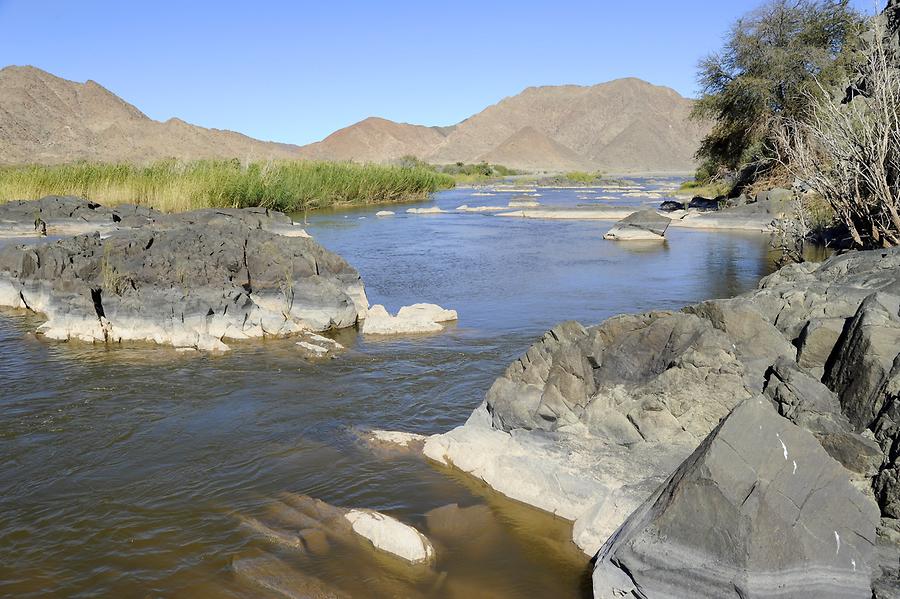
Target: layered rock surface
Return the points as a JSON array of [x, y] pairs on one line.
[[592, 419], [779, 519], [187, 280]]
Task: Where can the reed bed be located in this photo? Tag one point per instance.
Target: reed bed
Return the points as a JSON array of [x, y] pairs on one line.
[[174, 186]]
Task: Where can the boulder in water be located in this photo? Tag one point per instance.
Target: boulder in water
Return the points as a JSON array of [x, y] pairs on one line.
[[645, 225], [418, 318]]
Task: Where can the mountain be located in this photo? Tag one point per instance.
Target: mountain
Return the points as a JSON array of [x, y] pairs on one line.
[[622, 125], [46, 119], [376, 140], [530, 149]]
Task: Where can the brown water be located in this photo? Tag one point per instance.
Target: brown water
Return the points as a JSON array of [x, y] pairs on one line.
[[123, 469]]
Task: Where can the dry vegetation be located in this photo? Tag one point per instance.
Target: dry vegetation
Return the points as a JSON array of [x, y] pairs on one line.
[[849, 152]]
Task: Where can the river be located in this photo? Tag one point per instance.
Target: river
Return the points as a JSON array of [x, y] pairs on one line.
[[123, 469]]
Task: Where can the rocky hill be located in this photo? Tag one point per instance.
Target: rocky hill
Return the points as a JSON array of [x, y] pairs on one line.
[[622, 125], [376, 140], [46, 119]]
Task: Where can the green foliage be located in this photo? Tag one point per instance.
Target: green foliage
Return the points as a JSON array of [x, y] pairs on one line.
[[460, 171], [771, 59], [582, 177], [703, 189], [174, 186]]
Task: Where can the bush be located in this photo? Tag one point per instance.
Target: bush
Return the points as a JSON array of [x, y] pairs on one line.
[[849, 152], [771, 59]]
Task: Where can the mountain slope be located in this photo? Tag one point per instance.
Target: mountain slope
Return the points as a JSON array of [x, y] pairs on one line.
[[530, 149], [627, 124], [46, 119], [376, 140], [622, 125]]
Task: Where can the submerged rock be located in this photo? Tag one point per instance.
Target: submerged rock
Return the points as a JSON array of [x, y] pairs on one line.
[[418, 318], [187, 280], [645, 225], [431, 210], [392, 536], [310, 525]]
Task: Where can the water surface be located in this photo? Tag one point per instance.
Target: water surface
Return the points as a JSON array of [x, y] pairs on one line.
[[122, 469]]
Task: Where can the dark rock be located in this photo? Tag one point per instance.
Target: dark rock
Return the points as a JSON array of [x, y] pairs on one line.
[[630, 378], [865, 357], [706, 204], [816, 342], [758, 510], [671, 206], [188, 280], [811, 405]]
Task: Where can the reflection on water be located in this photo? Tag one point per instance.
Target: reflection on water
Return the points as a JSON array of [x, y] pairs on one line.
[[122, 469]]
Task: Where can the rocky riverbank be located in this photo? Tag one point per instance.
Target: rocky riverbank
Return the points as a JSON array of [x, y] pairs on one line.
[[740, 447], [192, 280]]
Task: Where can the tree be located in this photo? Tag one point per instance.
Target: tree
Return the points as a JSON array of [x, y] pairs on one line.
[[771, 60], [849, 152]]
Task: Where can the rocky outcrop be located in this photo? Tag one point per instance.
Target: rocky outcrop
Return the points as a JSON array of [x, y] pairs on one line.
[[418, 318], [591, 420], [758, 510], [645, 225], [187, 280]]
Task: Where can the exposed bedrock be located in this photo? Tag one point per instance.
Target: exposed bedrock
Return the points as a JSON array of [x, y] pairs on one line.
[[758, 510], [592, 422], [187, 280]]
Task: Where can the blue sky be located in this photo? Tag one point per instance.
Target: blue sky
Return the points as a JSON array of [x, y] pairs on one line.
[[296, 71]]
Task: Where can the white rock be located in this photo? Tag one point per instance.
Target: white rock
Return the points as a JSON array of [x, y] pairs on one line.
[[523, 204], [391, 535], [384, 213], [432, 210], [316, 350], [399, 438], [599, 213], [418, 318], [322, 340], [467, 208], [632, 234]]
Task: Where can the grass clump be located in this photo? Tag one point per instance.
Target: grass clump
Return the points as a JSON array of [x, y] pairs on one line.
[[710, 189], [174, 186], [463, 173], [582, 177]]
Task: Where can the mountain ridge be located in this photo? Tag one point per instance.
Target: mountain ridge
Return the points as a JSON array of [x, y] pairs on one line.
[[625, 124]]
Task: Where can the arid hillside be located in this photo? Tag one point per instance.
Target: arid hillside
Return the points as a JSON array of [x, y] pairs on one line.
[[622, 125], [46, 119]]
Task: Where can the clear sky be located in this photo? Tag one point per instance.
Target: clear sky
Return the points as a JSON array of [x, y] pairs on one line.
[[296, 71]]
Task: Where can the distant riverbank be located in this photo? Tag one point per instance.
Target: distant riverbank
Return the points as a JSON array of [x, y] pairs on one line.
[[174, 186]]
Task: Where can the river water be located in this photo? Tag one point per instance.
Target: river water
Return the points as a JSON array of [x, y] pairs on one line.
[[124, 471]]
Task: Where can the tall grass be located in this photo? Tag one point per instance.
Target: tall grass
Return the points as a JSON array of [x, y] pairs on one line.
[[173, 186]]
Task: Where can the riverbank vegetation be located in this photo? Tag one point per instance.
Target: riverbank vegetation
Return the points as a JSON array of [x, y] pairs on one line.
[[174, 186], [805, 94], [463, 173]]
